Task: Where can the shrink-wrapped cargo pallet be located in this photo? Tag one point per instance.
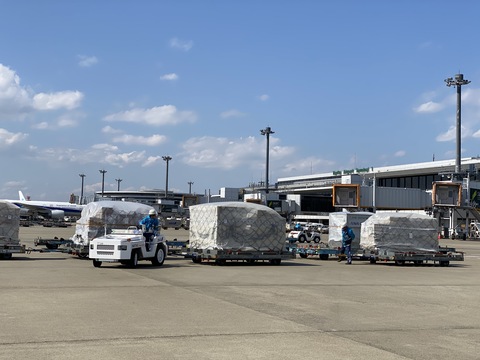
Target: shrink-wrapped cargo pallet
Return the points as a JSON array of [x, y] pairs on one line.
[[236, 226], [9, 222], [400, 232], [354, 221], [101, 217]]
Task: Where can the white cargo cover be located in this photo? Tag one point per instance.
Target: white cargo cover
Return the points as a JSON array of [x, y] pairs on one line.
[[9, 222], [103, 216], [354, 221], [236, 225], [401, 232]]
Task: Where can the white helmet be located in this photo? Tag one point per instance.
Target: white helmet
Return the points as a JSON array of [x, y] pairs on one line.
[[152, 212]]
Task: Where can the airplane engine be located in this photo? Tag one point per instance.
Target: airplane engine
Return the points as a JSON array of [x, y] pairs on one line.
[[24, 212], [57, 214]]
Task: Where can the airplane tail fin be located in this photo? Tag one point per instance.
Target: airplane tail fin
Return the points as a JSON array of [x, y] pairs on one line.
[[20, 195]]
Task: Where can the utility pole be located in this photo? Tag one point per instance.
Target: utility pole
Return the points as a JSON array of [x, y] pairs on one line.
[[118, 183], [190, 183], [103, 180], [267, 131], [167, 160], [81, 192], [458, 82]]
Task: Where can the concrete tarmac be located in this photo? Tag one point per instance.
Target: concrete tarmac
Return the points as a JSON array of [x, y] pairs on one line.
[[57, 306]]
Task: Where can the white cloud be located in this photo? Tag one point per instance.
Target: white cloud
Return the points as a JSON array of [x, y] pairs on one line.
[[400, 153], [223, 153], [169, 77], [16, 101], [65, 121], [8, 139], [41, 125], [87, 61], [429, 107], [98, 154], [152, 160], [211, 152], [451, 134], [231, 113], [180, 44], [121, 160], [105, 147], [110, 130], [263, 97], [156, 116], [153, 140], [53, 101], [13, 97], [309, 165]]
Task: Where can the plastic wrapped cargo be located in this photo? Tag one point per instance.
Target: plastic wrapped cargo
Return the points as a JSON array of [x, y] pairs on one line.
[[236, 226], [401, 232], [9, 222], [99, 218], [354, 220]]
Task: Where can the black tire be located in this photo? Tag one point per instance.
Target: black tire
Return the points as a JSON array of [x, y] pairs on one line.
[[316, 239], [275, 261], [400, 262], [97, 263], [373, 260], [303, 255], [133, 263], [323, 256], [444, 263], [6, 256], [302, 238], [51, 246], [196, 259], [160, 255], [418, 262]]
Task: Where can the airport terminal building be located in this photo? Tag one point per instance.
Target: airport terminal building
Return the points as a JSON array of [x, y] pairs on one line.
[[312, 197]]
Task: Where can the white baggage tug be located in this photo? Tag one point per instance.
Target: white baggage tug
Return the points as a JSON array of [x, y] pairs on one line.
[[127, 246]]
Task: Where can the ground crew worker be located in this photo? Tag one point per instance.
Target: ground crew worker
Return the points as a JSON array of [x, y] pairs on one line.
[[347, 238], [150, 227]]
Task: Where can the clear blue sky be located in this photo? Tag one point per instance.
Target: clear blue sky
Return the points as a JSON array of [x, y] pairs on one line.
[[115, 85]]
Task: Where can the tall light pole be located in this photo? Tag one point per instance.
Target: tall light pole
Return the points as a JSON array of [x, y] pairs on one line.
[[458, 82], [81, 192], [267, 131], [118, 183], [190, 183], [166, 159], [103, 180]]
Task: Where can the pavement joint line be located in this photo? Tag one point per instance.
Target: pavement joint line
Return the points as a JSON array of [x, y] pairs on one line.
[[184, 336]]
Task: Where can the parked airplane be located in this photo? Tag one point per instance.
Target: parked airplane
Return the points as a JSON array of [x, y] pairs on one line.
[[50, 209]]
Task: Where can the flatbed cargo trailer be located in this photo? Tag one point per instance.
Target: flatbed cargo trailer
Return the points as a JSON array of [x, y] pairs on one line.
[[323, 251], [7, 249], [220, 257], [442, 257], [52, 243], [176, 247]]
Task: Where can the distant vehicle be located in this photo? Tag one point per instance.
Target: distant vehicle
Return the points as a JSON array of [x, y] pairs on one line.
[[304, 235], [322, 229]]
